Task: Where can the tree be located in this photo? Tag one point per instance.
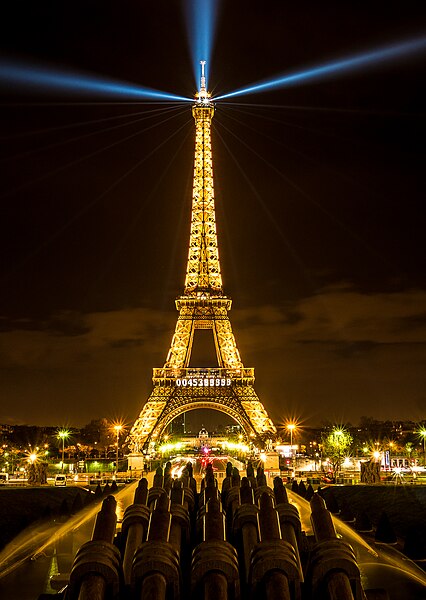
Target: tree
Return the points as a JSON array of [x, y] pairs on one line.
[[366, 422], [336, 446], [98, 432], [410, 450]]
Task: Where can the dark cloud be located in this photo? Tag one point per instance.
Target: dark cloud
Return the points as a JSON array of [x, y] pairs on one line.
[[343, 355], [411, 322], [351, 349], [133, 343], [67, 323], [346, 355]]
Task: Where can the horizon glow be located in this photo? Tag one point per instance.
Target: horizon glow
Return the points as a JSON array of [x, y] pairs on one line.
[[201, 17], [345, 65], [39, 78]]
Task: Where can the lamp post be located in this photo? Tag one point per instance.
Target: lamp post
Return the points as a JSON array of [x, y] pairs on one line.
[[117, 429], [338, 436], [291, 427], [62, 435], [391, 445]]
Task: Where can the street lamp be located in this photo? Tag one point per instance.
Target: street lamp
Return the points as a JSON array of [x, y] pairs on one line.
[[63, 434], [117, 429], [291, 427], [391, 445]]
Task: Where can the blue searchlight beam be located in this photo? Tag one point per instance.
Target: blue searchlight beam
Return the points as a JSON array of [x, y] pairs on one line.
[[201, 17], [345, 65], [39, 78]]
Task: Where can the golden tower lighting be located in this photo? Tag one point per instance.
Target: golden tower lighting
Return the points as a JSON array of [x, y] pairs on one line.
[[203, 305]]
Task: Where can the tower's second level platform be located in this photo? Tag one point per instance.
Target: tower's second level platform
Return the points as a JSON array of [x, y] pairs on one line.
[[203, 300]]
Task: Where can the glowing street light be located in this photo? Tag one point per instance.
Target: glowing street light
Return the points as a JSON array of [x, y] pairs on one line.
[[291, 427], [117, 429], [63, 434], [391, 445]]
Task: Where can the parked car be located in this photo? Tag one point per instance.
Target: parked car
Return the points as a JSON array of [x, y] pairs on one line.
[[328, 478], [61, 480]]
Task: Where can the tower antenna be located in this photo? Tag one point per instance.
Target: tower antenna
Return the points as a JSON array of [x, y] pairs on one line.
[[203, 76], [203, 95]]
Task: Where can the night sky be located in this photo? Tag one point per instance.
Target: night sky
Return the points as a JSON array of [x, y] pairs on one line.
[[320, 190]]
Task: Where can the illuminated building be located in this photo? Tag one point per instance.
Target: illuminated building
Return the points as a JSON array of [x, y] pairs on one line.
[[179, 388]]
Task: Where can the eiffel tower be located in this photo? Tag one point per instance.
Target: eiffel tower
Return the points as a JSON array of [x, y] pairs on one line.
[[179, 388]]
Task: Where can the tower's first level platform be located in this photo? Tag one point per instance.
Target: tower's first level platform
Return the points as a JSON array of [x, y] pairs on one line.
[[199, 377]]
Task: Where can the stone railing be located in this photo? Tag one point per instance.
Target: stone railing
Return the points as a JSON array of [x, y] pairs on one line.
[[243, 542]]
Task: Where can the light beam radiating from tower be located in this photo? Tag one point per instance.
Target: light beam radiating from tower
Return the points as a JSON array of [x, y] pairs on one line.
[[201, 18], [364, 60], [41, 78]]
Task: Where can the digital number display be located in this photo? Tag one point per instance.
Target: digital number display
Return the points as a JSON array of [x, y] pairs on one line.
[[204, 382]]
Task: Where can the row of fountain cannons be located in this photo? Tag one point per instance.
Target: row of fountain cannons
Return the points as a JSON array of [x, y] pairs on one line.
[[244, 542]]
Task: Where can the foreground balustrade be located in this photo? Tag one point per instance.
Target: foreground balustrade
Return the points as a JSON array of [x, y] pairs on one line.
[[96, 571], [243, 542]]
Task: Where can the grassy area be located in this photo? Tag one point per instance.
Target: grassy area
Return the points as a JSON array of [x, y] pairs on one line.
[[19, 507], [405, 505]]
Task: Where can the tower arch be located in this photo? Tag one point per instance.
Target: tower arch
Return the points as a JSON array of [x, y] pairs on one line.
[[165, 421]]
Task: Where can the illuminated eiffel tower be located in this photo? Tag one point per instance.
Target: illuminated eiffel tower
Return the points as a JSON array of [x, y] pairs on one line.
[[179, 388]]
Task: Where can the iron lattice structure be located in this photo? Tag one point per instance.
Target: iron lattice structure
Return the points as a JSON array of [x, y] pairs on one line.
[[177, 387]]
